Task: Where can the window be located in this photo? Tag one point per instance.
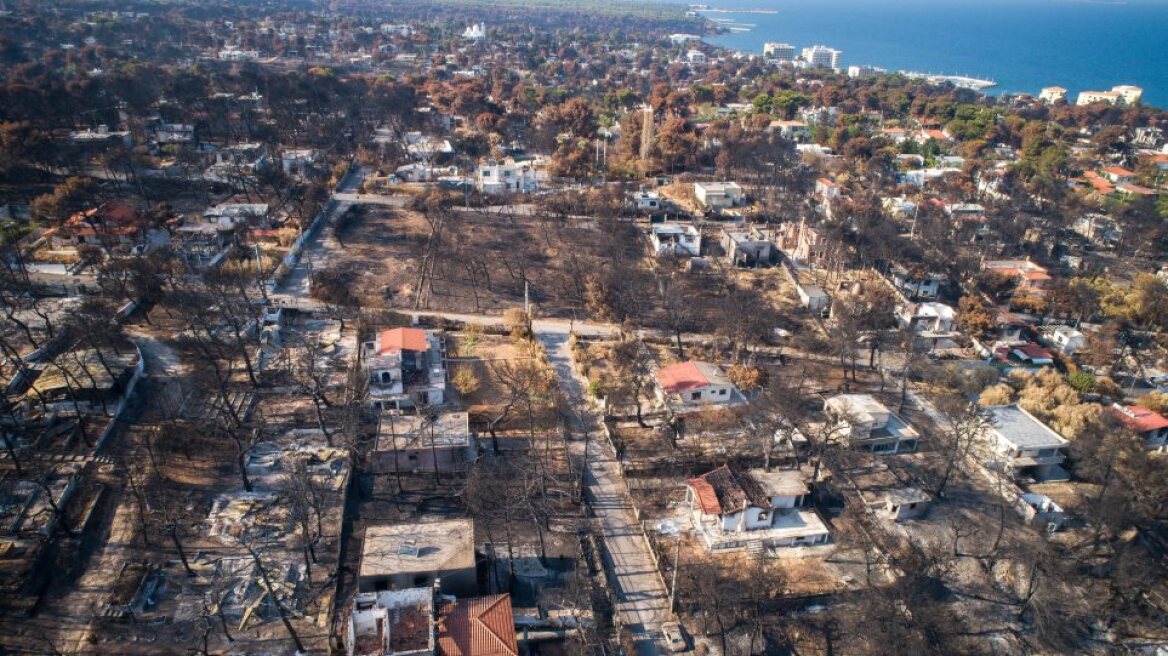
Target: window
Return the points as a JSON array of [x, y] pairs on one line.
[[912, 506], [894, 509], [696, 396], [763, 516], [722, 392]]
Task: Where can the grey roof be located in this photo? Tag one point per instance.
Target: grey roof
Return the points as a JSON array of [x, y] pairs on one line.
[[1021, 429]]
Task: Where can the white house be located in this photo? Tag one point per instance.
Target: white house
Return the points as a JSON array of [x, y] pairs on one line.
[[1097, 228], [717, 195], [928, 317], [299, 161], [170, 133], [754, 511], [915, 284], [646, 200], [1064, 338], [675, 239], [507, 177], [696, 383], [695, 57], [812, 297], [746, 246], [406, 367], [1023, 446], [475, 32], [868, 425]]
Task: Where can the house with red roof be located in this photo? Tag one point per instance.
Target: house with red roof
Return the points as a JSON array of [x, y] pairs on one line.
[[695, 383], [1148, 424], [480, 626], [753, 510], [406, 368], [1119, 175], [109, 224], [1031, 278]]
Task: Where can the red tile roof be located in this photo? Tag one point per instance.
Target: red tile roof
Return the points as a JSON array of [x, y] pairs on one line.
[[724, 490], [1139, 419], [680, 378], [401, 339], [1118, 170], [482, 626]]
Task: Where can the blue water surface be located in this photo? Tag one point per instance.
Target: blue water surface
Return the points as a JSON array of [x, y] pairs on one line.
[[1024, 45]]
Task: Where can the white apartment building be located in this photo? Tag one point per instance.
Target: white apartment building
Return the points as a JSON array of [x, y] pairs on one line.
[[783, 52], [1052, 94], [822, 56], [865, 71], [1119, 95]]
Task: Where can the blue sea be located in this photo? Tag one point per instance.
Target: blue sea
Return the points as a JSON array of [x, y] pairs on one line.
[[1023, 45]]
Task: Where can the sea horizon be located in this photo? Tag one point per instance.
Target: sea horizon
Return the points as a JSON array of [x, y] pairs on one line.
[[1023, 45]]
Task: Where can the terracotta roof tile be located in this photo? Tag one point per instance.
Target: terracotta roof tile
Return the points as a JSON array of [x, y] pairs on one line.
[[482, 626], [680, 378], [1139, 418], [401, 339]]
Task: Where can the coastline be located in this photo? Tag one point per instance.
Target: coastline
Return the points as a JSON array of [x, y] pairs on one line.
[[1010, 74]]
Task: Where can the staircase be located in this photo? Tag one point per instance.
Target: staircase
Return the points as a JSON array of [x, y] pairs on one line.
[[756, 548]]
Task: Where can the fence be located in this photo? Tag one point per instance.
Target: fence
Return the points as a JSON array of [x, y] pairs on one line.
[[127, 397]]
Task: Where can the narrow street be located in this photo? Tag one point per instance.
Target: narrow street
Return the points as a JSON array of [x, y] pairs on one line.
[[642, 602]]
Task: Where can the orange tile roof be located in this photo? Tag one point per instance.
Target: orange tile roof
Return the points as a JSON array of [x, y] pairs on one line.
[[1118, 170], [1139, 419], [482, 626], [679, 378], [706, 497], [401, 339]]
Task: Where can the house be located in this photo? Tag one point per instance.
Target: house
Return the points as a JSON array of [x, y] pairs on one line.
[[241, 158], [646, 200], [917, 284], [695, 57], [1119, 175], [1040, 510], [1023, 446], [812, 297], [174, 133], [406, 367], [1031, 355], [746, 246], [423, 147], [1064, 339], [718, 195], [233, 215], [507, 176], [1099, 229], [1148, 424], [675, 240], [418, 554], [112, 223], [802, 244], [696, 383], [299, 161], [391, 623], [792, 130], [426, 443], [755, 510], [868, 425], [827, 189], [480, 626], [928, 317], [899, 504], [1031, 278]]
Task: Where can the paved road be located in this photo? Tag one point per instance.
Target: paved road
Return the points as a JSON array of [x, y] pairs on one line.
[[642, 602]]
